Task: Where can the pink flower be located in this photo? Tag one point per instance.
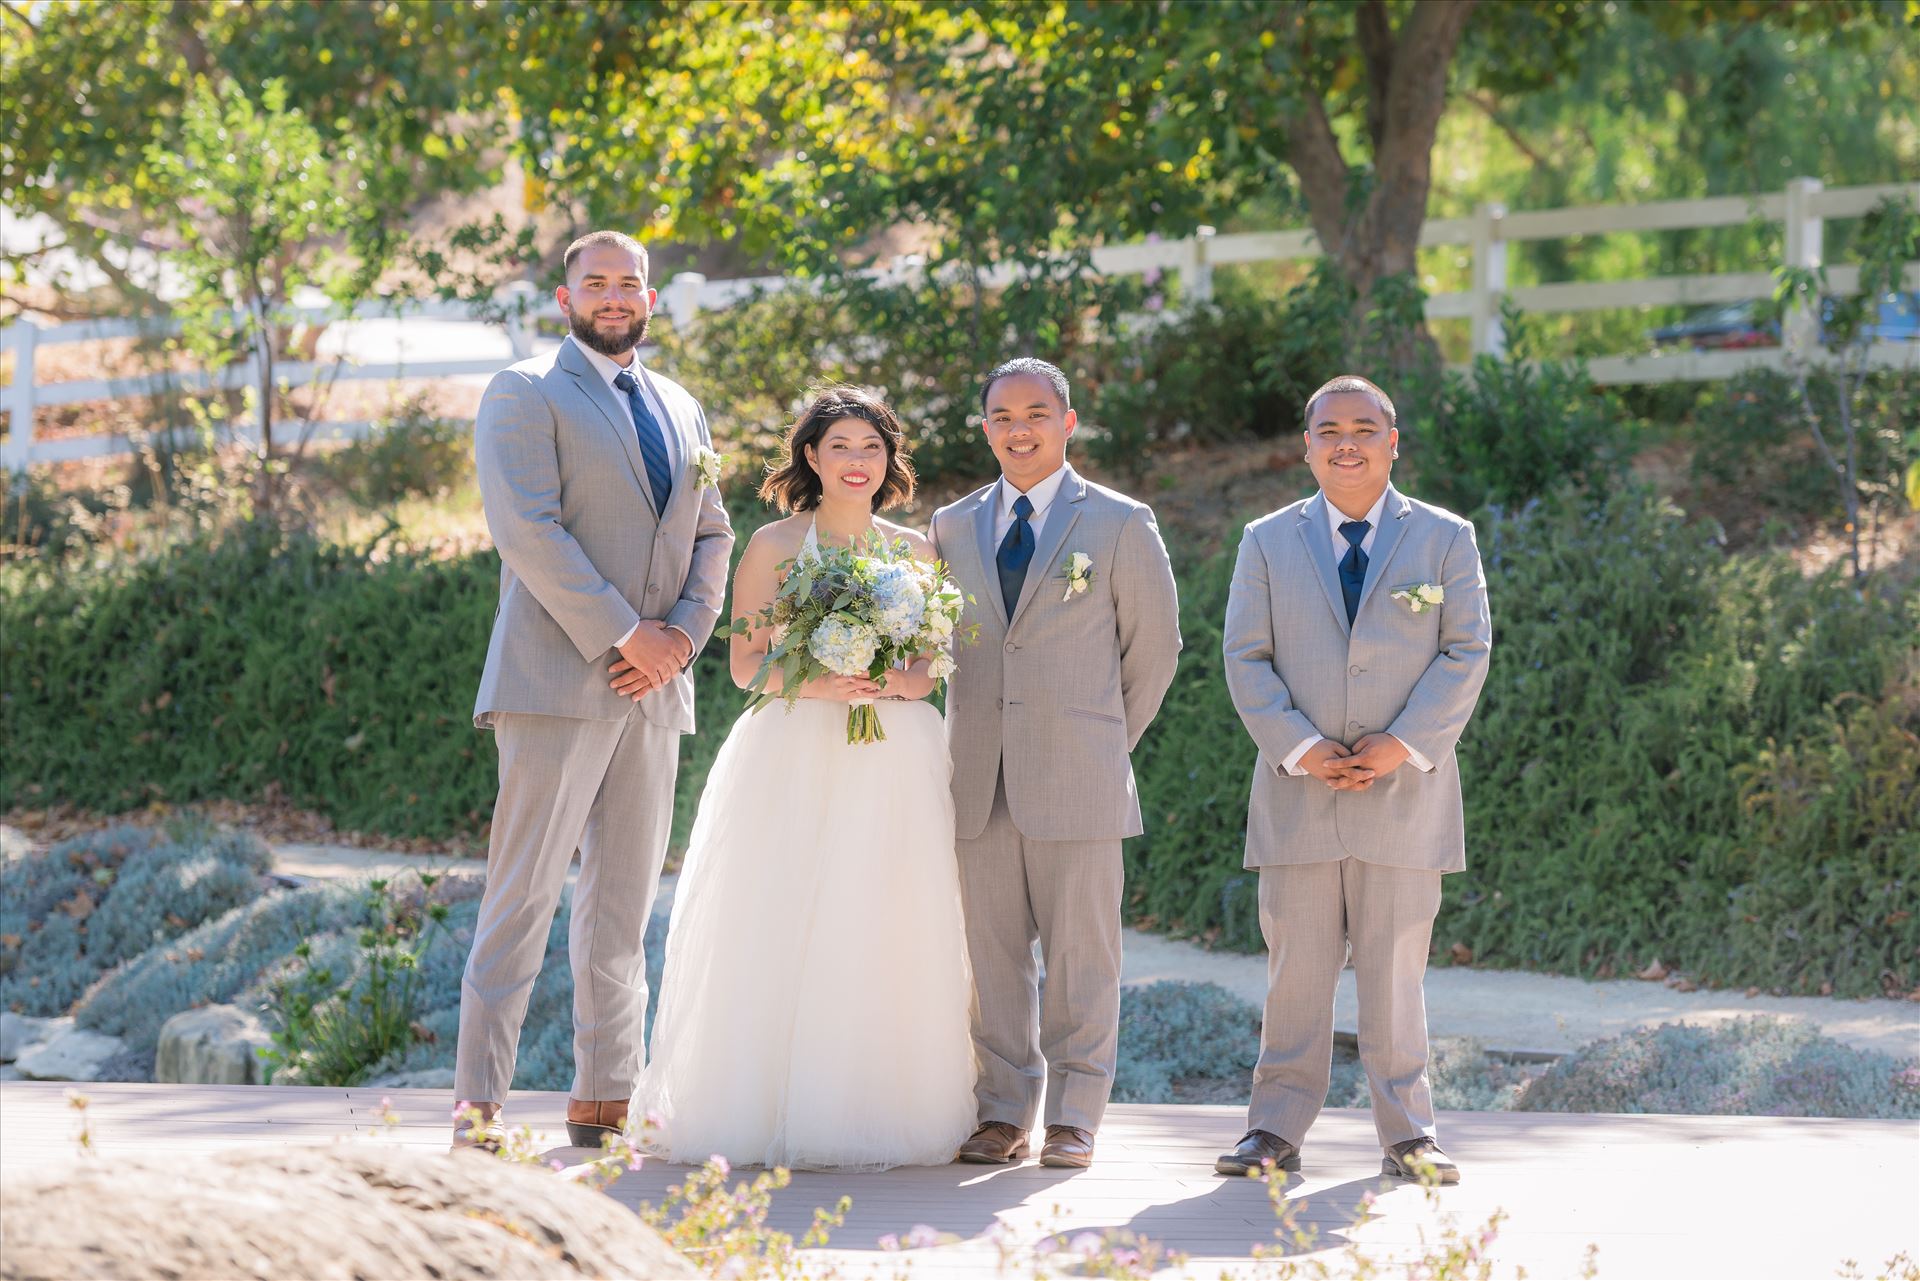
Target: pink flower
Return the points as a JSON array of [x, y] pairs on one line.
[[721, 1166], [891, 1241], [922, 1236]]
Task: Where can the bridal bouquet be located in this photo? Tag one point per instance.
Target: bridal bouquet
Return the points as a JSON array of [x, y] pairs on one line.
[[856, 612]]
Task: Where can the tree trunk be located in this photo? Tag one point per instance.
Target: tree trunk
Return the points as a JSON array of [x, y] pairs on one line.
[[263, 356], [1406, 72]]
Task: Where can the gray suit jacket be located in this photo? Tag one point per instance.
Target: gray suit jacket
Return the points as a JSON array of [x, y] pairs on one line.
[[584, 555], [1295, 669], [1061, 693]]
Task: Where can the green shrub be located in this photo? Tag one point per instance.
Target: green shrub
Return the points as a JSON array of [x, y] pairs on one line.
[[410, 453], [342, 676], [75, 911], [1638, 674], [1512, 430], [327, 1031], [1747, 1067], [1238, 366]]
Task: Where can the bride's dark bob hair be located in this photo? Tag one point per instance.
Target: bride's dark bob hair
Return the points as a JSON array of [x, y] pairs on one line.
[[792, 485]]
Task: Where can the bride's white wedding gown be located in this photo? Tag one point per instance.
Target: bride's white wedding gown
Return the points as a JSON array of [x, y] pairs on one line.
[[814, 1001]]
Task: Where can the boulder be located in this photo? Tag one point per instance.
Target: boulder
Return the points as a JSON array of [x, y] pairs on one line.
[[213, 1045], [70, 1054], [21, 1032], [348, 1210]]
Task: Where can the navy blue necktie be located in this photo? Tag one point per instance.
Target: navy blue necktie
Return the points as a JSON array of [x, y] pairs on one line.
[[1353, 566], [653, 443], [1016, 553]]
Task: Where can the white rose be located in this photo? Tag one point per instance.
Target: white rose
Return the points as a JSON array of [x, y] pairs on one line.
[[1079, 564], [1433, 594], [941, 666]]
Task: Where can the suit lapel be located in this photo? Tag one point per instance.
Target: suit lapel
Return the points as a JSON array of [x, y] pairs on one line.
[[595, 388], [1319, 543], [983, 513], [1061, 516], [1393, 523]]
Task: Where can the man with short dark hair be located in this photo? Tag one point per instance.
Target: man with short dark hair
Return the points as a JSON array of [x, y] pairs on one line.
[[1356, 645], [613, 555], [1079, 639]]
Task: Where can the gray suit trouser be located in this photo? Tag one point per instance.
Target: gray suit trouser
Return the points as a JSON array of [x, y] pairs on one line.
[[604, 788], [1309, 914], [1066, 894]]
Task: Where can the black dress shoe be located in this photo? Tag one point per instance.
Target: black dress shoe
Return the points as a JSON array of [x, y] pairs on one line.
[[1404, 1160], [1252, 1152]]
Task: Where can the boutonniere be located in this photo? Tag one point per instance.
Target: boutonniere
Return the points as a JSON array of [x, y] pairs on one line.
[[1079, 573], [706, 467], [1421, 597]]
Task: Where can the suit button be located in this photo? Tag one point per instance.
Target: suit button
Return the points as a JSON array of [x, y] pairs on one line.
[[653, 589], [1000, 702], [1354, 670], [1011, 647], [1353, 724]]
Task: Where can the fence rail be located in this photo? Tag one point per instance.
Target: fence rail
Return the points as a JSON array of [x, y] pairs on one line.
[[1803, 207]]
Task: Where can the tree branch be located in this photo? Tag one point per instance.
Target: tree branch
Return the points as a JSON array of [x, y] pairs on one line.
[[1375, 30], [1314, 153], [16, 13], [1491, 111]]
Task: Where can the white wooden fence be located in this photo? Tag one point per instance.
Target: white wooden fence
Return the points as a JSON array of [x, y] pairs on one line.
[[1803, 207]]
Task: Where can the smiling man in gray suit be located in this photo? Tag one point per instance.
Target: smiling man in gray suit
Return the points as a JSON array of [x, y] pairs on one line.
[[1356, 644], [1079, 638], [613, 568]]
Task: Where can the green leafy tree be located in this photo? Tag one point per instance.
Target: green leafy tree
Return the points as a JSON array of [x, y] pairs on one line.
[[107, 86], [257, 202]]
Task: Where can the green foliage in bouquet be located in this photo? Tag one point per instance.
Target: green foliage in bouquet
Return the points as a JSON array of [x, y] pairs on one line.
[[854, 611]]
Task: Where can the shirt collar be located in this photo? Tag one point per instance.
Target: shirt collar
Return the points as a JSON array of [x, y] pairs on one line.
[[607, 367], [1337, 518], [1041, 495]]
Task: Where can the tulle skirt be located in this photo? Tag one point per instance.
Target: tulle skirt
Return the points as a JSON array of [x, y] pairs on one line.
[[814, 1002]]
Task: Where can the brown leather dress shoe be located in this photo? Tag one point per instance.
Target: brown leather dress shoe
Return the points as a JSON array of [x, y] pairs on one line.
[[1254, 1150], [487, 1135], [591, 1121], [1068, 1147], [1405, 1160], [994, 1143]]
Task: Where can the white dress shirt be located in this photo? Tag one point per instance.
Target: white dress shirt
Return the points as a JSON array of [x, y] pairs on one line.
[[1041, 496], [1335, 519], [609, 368]]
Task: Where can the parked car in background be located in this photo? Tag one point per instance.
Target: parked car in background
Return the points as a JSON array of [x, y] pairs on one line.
[[1721, 327], [1897, 319], [1731, 325]]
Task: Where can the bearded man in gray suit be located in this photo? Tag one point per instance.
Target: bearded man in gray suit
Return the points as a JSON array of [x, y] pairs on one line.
[[1356, 645], [613, 549], [1079, 638]]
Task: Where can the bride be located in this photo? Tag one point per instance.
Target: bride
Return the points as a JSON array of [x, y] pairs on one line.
[[813, 1008]]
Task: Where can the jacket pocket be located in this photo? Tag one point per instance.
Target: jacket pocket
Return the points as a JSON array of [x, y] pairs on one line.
[[1095, 716]]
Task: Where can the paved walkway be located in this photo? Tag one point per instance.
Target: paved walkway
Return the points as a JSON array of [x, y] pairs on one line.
[[1700, 1197], [1512, 1011]]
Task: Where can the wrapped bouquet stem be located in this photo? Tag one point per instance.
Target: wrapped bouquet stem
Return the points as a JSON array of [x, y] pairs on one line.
[[865, 610]]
